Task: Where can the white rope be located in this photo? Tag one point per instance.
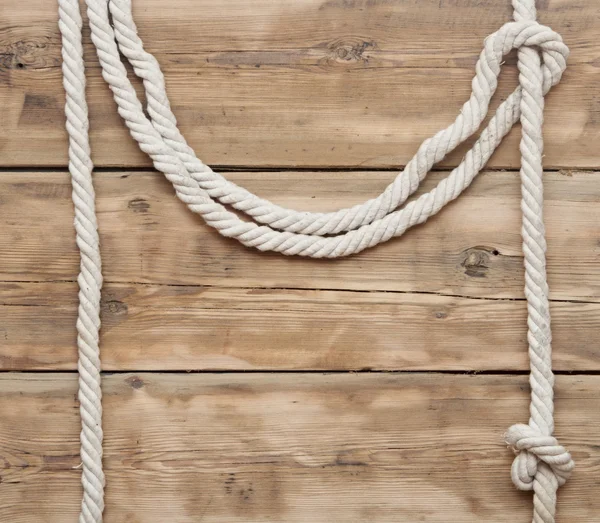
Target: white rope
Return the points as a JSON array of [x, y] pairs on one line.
[[541, 464], [90, 276]]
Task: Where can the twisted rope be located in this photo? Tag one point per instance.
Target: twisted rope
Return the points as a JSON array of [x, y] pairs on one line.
[[541, 464], [90, 275]]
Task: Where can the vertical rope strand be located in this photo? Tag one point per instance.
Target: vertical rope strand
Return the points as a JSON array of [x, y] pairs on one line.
[[531, 471], [90, 276]]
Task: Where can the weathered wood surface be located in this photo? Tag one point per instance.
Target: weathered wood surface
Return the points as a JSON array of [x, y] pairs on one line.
[[471, 248], [295, 83], [290, 448], [180, 297], [150, 327], [298, 82]]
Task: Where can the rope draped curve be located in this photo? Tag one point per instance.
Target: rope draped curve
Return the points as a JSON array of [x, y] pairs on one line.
[[541, 463]]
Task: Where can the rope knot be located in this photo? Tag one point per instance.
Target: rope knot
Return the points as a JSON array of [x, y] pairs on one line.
[[532, 447]]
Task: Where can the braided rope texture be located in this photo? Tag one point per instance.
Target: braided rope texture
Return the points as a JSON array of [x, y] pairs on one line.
[[541, 463]]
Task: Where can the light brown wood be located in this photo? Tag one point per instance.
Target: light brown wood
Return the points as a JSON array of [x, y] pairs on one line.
[[157, 327], [286, 84], [471, 248], [298, 82], [180, 297], [290, 448]]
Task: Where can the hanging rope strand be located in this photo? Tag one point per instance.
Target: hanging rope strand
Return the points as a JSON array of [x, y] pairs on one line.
[[90, 276], [431, 151], [264, 237], [541, 464]]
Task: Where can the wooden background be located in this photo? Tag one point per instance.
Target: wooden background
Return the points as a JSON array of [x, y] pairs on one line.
[[248, 387]]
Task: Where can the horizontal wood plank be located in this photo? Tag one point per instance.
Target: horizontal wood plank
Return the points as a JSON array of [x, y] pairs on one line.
[[471, 248], [153, 327], [290, 447], [297, 82]]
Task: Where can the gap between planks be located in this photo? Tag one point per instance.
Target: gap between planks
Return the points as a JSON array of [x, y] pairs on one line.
[[318, 372], [263, 288], [25, 168]]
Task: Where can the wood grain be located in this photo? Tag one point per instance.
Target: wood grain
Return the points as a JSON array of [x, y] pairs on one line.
[[294, 448], [158, 327], [258, 84], [472, 248], [298, 82]]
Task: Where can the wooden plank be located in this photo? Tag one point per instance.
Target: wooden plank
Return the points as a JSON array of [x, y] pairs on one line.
[[298, 82], [152, 327], [290, 447], [472, 248]]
